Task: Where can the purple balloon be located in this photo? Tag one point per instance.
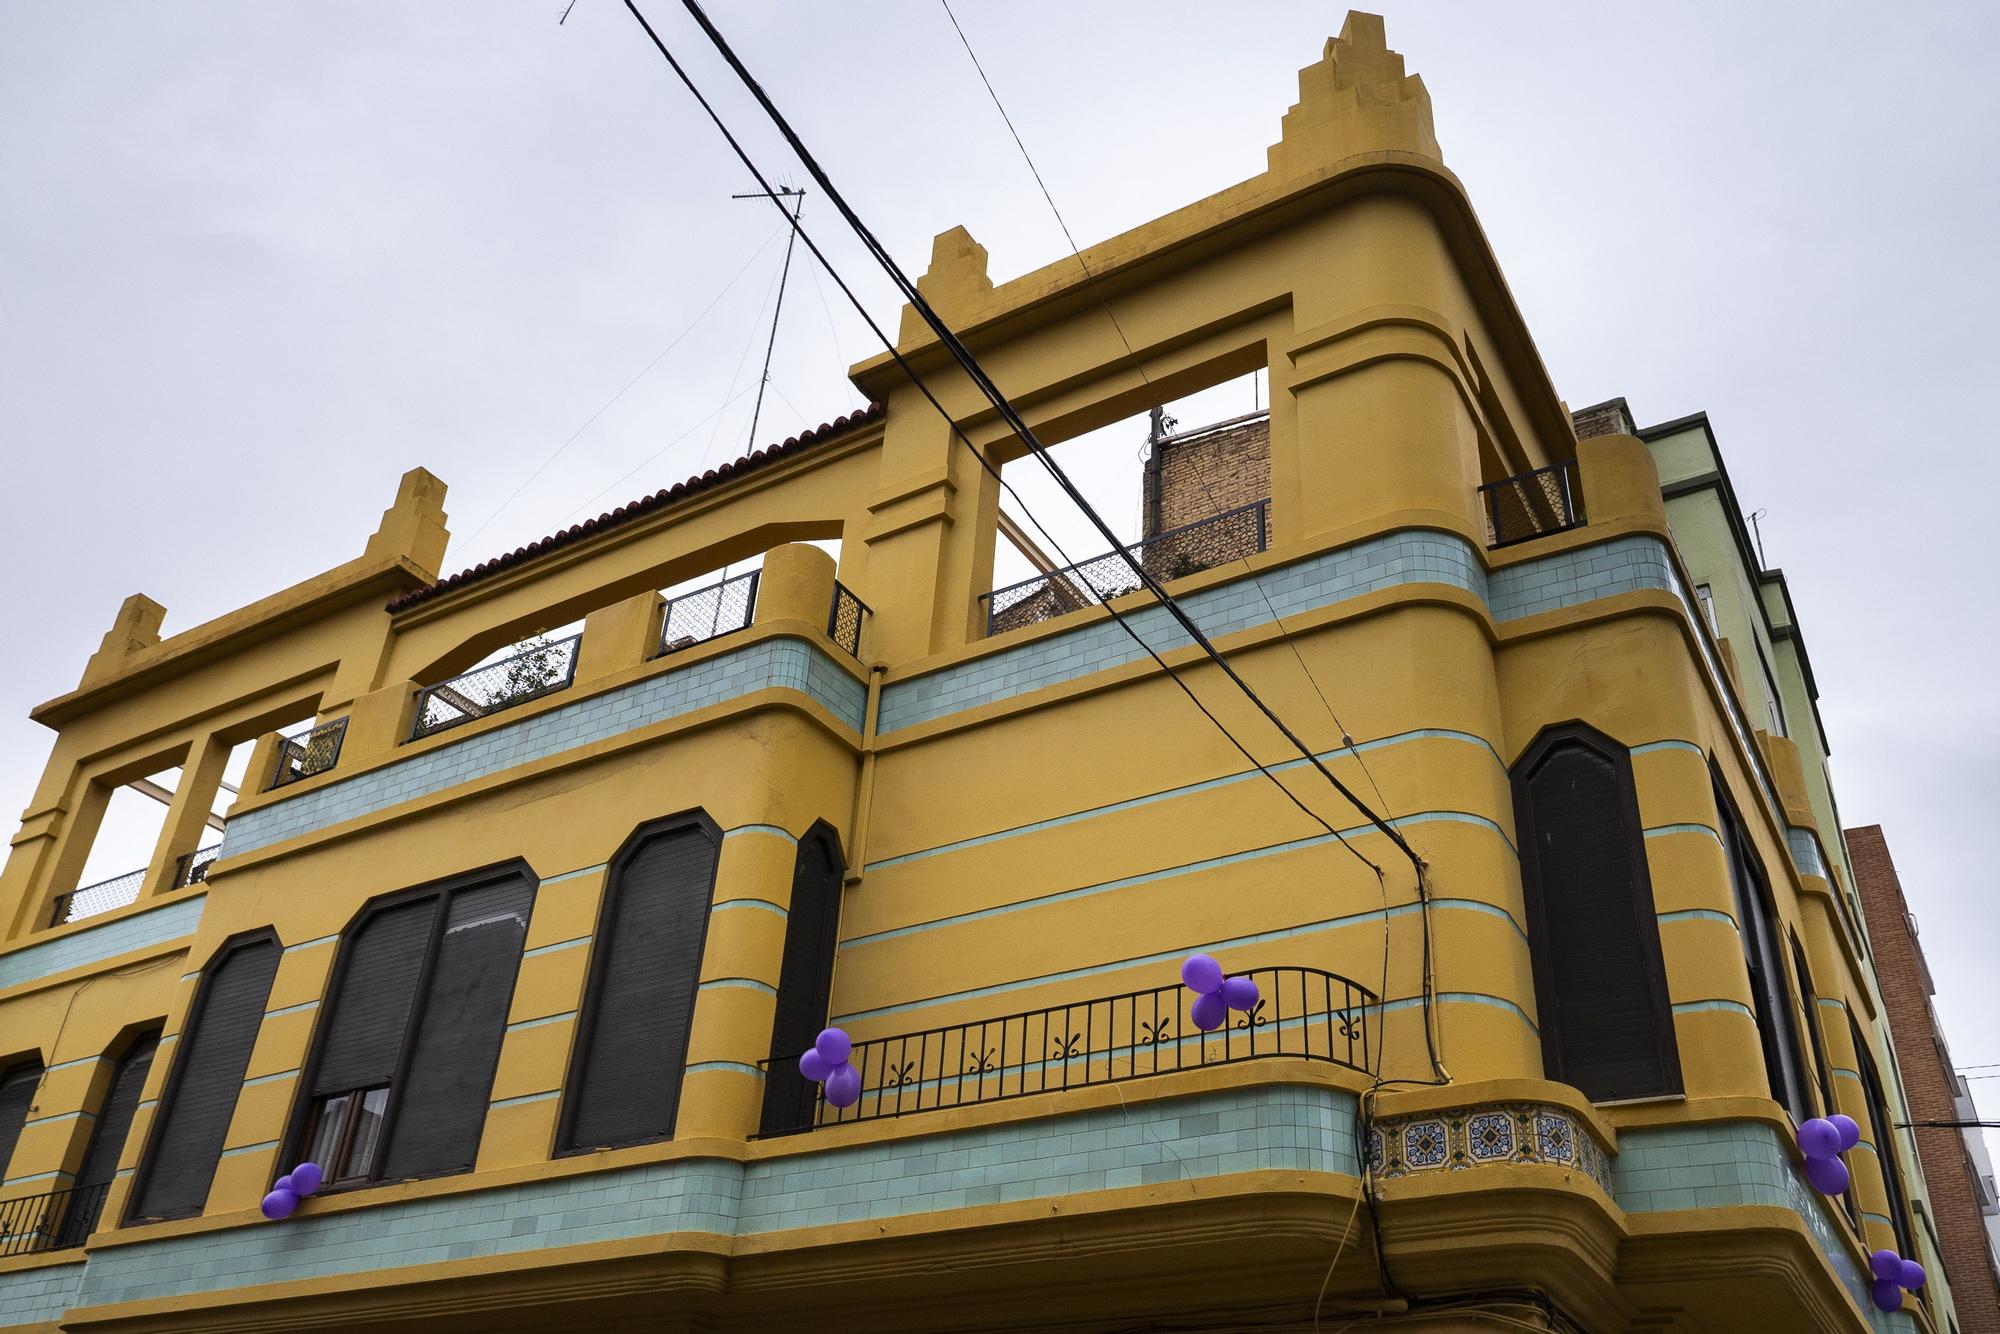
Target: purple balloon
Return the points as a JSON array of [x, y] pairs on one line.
[[1886, 1265], [815, 1066], [1912, 1276], [1819, 1138], [843, 1085], [1887, 1296], [1849, 1128], [306, 1179], [285, 1183], [1202, 975], [279, 1204], [1209, 1012], [833, 1045], [1828, 1175], [1239, 993]]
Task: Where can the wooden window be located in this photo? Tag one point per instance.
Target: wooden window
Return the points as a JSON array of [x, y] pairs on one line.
[[403, 1068], [17, 1093], [1600, 981], [624, 1081], [200, 1096], [805, 977], [1757, 918]]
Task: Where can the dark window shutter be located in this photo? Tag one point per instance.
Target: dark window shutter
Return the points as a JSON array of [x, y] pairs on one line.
[[214, 1051], [646, 964], [107, 1137], [1600, 983], [441, 1106], [378, 985], [1881, 1134], [1777, 1031], [17, 1094], [805, 978]]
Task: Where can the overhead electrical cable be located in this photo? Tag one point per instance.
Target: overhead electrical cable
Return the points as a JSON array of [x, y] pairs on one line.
[[1005, 408], [917, 381]]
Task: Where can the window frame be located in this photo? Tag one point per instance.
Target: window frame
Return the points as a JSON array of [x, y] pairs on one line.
[[1542, 965], [28, 1059], [1763, 941], [303, 1120], [590, 1010], [1883, 1131], [170, 1091]]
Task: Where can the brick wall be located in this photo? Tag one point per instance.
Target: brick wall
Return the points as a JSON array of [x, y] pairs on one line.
[[1947, 1170], [1202, 472], [1610, 417]]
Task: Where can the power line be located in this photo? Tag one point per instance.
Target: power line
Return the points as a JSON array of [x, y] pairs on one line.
[[917, 381], [1008, 413]]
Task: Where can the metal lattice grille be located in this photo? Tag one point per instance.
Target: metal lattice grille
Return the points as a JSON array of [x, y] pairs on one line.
[[57, 1220], [701, 615], [101, 897], [1301, 1012], [309, 753], [192, 868], [541, 670], [1190, 549], [1533, 504], [843, 622]]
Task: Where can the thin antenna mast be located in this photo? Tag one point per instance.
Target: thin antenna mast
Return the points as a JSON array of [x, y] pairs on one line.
[[781, 193]]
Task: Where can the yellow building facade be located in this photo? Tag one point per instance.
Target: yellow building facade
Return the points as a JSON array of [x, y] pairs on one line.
[[523, 955]]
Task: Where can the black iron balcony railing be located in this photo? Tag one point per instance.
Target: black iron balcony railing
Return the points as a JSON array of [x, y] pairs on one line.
[[708, 613], [192, 868], [844, 619], [1301, 1012], [101, 897], [1189, 549], [1533, 504], [55, 1221], [308, 753], [541, 670]]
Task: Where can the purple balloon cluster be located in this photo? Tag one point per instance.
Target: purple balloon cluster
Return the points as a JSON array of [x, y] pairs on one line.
[[1892, 1274], [292, 1187], [1215, 995], [1822, 1140], [827, 1064]]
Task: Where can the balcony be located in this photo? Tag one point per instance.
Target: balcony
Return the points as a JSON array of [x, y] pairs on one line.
[[540, 670], [1202, 545], [845, 618], [192, 868], [1302, 1013], [308, 753], [57, 1221], [1533, 504], [708, 613]]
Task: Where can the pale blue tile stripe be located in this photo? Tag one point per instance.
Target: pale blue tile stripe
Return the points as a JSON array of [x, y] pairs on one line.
[[748, 983], [271, 1079], [250, 1148], [1187, 868], [569, 944], [1663, 830], [1727, 1006], [106, 940], [310, 944], [572, 875], [526, 1098], [1188, 789], [737, 1067], [39, 1176], [1175, 955], [764, 905], [1845, 1073], [292, 1009], [1652, 746], [770, 829], [1832, 1002], [1878, 1218], [77, 1060], [537, 1023], [60, 1116], [1698, 915]]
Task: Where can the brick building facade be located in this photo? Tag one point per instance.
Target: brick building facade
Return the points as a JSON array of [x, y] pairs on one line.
[[1929, 1081]]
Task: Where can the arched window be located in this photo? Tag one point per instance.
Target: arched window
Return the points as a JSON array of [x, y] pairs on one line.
[[1777, 1030], [805, 977], [207, 1074], [1883, 1136], [624, 1082], [18, 1083], [107, 1138], [1600, 981], [403, 1063]]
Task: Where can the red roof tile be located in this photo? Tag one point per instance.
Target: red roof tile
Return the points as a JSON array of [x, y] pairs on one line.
[[644, 505]]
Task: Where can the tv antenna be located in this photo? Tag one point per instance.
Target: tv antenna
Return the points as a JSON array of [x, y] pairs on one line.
[[783, 192]]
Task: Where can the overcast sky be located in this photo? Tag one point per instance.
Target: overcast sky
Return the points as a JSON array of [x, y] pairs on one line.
[[257, 259]]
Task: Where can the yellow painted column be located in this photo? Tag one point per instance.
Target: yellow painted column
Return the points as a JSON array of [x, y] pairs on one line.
[[186, 825]]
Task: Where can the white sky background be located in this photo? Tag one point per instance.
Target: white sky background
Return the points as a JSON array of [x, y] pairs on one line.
[[257, 259]]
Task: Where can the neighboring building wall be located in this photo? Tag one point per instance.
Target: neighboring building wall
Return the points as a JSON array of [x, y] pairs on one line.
[[1929, 1083], [1206, 471]]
